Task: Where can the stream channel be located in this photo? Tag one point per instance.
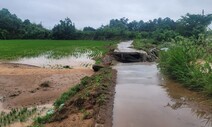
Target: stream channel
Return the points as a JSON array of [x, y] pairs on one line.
[[145, 98]]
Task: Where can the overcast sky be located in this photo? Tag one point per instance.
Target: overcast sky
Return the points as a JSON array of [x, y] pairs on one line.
[[98, 12]]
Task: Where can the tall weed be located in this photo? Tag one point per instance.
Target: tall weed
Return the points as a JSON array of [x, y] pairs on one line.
[[189, 64]]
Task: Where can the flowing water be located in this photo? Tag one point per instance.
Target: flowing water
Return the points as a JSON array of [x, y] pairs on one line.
[[144, 98]]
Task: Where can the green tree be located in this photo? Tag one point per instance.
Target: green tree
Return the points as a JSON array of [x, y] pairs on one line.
[[65, 30], [193, 24], [89, 29], [9, 24]]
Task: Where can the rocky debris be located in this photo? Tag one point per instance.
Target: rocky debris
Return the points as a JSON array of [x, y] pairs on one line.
[[14, 94], [67, 67], [2, 99], [45, 84], [97, 67], [107, 60], [34, 90], [153, 55]]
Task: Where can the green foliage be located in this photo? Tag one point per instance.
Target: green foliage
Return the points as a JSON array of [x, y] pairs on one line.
[[16, 115], [42, 120], [64, 31], [12, 27], [71, 92], [193, 25], [14, 49], [88, 29], [86, 114], [143, 44], [189, 64], [163, 35]]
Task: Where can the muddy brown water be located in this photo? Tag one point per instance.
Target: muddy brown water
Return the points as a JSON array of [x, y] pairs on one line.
[[144, 98]]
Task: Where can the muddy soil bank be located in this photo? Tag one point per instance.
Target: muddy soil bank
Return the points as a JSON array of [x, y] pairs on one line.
[[25, 85], [91, 106]]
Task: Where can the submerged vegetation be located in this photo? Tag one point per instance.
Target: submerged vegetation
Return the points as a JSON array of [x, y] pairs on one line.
[[14, 49]]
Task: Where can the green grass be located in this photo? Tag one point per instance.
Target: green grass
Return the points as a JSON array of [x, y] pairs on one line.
[[143, 44], [14, 49], [180, 62], [16, 115]]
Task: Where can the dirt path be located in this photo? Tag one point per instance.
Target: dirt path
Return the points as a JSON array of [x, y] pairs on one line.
[[24, 85]]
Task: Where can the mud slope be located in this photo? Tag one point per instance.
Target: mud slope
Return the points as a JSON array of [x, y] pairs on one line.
[[91, 105], [24, 85]]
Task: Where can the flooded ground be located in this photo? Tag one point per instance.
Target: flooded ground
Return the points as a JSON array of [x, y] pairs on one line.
[[38, 82], [74, 61], [145, 99]]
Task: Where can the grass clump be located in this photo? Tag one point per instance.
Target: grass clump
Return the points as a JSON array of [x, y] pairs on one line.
[[16, 115], [71, 92], [189, 63]]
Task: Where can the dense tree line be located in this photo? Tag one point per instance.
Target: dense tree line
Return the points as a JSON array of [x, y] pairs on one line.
[[12, 27], [190, 25]]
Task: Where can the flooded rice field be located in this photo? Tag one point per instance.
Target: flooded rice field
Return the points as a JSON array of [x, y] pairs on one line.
[[144, 98], [37, 82], [77, 60]]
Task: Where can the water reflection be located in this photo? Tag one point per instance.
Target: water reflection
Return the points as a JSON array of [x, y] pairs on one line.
[[199, 105], [144, 98]]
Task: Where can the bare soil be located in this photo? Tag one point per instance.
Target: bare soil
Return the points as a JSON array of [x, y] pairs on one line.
[[98, 104], [25, 85]]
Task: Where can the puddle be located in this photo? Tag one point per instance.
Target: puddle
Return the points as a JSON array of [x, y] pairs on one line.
[[74, 61], [144, 98]]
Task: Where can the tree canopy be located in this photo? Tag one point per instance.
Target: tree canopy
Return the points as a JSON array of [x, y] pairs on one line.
[[12, 27], [64, 30], [193, 25], [160, 29]]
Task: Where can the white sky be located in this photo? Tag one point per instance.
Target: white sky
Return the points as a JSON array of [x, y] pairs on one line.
[[98, 12]]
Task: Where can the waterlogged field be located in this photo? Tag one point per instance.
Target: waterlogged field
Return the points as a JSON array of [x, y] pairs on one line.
[[14, 49], [60, 59]]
